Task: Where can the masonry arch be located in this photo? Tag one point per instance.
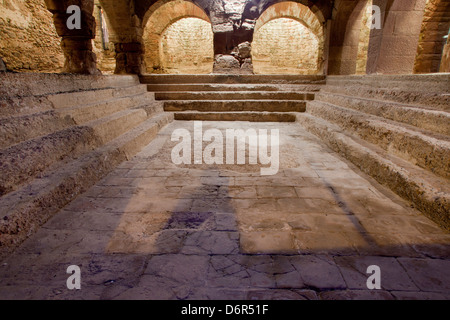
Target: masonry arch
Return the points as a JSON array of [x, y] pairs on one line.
[[288, 39], [178, 38]]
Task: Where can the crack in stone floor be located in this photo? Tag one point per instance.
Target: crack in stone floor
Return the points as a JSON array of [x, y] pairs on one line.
[[155, 230]]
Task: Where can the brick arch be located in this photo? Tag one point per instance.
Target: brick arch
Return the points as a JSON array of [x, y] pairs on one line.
[[190, 8], [435, 25], [165, 12], [160, 17], [300, 13], [293, 10], [255, 8]]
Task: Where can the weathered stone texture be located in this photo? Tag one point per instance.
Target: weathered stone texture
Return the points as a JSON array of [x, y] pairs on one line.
[[445, 63], [174, 44], [187, 47], [103, 48], [285, 46], [28, 40], [435, 26]]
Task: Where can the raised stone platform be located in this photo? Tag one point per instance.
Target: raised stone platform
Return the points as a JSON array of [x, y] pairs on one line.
[[256, 98], [395, 128]]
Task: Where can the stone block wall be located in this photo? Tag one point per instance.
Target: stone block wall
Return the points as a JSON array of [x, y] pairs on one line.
[[445, 62], [106, 61], [435, 26], [393, 49], [28, 40], [164, 21], [187, 47], [285, 46]]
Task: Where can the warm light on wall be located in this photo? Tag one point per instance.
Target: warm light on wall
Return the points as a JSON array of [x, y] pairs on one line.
[[286, 46], [187, 47]]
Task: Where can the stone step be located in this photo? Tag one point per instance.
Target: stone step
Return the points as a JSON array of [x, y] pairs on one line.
[[36, 155], [422, 148], [427, 100], [28, 93], [236, 116], [26, 209], [424, 83], [432, 120], [73, 99], [85, 113], [117, 124], [17, 129], [134, 140], [151, 107], [426, 191], [235, 105], [241, 95], [45, 84], [24, 161], [430, 91], [232, 79], [200, 87]]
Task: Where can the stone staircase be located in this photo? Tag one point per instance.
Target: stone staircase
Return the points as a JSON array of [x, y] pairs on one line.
[[394, 128], [60, 135], [215, 97]]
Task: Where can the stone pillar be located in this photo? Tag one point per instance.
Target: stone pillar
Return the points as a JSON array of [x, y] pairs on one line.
[[345, 35], [393, 49], [129, 58], [76, 43]]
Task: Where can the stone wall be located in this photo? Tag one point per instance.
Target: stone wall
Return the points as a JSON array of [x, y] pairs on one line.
[[392, 49], [435, 26], [28, 40], [445, 62], [187, 47], [285, 46], [162, 17], [104, 50]]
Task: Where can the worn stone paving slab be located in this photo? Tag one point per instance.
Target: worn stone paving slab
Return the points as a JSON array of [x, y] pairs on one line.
[[155, 230]]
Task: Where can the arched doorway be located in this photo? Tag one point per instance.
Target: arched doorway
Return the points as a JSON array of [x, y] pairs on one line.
[[178, 39]]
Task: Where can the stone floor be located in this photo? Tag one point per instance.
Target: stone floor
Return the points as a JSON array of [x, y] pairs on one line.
[[156, 230]]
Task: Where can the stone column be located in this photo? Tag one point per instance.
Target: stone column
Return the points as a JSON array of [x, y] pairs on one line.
[[344, 39], [393, 49], [76, 43], [129, 58]]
